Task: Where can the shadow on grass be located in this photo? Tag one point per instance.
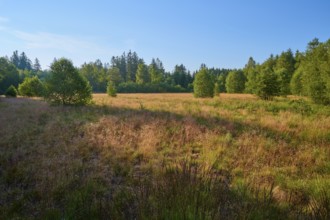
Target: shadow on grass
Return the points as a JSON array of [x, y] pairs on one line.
[[47, 172]]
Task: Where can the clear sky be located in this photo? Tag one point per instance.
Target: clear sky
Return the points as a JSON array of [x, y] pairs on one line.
[[219, 33]]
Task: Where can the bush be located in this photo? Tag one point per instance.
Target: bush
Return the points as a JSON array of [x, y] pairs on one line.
[[111, 89], [66, 85], [31, 87], [11, 91], [203, 84]]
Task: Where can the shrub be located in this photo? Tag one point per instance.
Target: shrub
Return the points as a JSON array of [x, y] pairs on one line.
[[31, 87], [111, 89], [11, 91], [66, 85]]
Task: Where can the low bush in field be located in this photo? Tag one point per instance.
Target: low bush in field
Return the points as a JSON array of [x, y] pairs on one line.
[[11, 91], [31, 87]]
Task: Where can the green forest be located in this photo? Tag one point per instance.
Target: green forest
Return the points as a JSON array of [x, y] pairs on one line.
[[301, 73]]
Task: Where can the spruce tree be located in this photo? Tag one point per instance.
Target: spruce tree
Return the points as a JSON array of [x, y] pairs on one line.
[[36, 65], [250, 72]]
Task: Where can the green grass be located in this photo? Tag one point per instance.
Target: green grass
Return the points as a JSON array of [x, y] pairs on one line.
[[165, 156]]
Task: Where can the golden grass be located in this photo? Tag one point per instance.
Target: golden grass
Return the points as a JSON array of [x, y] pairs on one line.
[[265, 140], [133, 134]]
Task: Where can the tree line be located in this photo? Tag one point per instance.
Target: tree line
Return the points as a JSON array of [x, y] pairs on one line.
[[130, 73], [301, 73]]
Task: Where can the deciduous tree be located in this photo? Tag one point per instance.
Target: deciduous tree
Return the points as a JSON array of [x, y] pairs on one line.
[[8, 75], [267, 84], [142, 74], [203, 84], [66, 85], [235, 82]]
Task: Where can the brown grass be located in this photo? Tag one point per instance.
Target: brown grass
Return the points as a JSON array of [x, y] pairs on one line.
[[49, 151]]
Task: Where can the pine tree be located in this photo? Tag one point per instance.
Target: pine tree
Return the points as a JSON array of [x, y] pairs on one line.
[[114, 76], [36, 65], [15, 59], [250, 72], [181, 76], [142, 74], [156, 71], [24, 62]]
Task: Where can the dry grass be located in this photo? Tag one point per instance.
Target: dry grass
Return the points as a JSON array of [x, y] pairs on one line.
[[51, 157]]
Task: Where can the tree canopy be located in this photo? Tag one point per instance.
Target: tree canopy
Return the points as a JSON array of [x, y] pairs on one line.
[[267, 84], [235, 82], [8, 75], [96, 74], [315, 71], [66, 85], [303, 73], [31, 87], [203, 84]]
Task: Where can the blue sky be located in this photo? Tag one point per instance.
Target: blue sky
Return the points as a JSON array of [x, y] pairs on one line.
[[222, 33]]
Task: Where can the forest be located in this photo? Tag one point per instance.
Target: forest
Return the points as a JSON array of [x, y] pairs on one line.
[[300, 73]]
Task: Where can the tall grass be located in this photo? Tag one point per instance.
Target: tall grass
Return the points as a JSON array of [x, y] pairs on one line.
[[165, 156]]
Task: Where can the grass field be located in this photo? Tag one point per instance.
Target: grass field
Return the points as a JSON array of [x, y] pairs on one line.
[[165, 156]]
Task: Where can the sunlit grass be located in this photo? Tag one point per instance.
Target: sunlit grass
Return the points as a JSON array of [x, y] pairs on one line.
[[53, 158]]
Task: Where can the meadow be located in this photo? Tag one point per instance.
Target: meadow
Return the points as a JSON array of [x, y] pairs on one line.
[[165, 156]]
